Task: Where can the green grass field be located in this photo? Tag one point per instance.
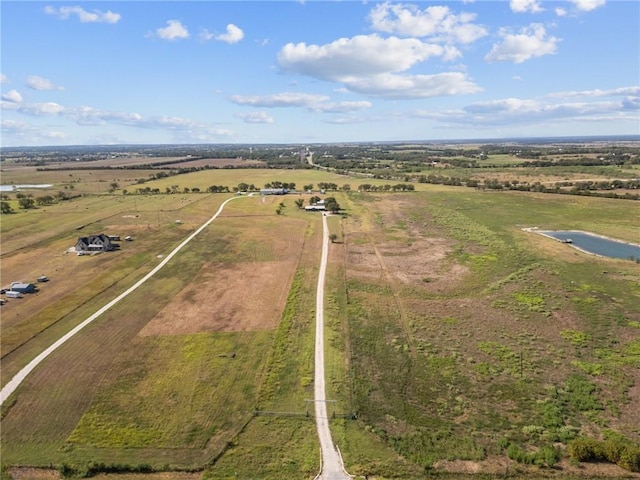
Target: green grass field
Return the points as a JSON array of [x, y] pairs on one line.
[[460, 342]]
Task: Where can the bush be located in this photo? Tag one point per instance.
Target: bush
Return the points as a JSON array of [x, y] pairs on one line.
[[617, 449]]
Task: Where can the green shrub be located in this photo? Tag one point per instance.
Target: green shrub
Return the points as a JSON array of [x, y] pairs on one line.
[[618, 450]]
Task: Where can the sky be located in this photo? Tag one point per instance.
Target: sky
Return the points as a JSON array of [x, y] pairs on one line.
[[151, 72]]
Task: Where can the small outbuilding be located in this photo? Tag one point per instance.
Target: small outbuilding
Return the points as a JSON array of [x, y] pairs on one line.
[[273, 191], [23, 287]]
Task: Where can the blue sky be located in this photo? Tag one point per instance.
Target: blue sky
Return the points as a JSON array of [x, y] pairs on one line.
[[316, 71]]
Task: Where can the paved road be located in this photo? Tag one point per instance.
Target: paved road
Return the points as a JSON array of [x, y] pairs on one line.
[[15, 382], [332, 468]]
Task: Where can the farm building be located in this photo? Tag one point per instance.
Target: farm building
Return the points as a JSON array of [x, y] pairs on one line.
[[315, 208], [273, 191], [318, 206], [22, 287], [95, 243]]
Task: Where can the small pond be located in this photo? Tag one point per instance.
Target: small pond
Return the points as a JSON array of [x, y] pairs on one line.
[[13, 188], [595, 244]]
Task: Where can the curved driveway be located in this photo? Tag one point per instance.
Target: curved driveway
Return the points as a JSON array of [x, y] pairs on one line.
[[11, 386], [332, 468]]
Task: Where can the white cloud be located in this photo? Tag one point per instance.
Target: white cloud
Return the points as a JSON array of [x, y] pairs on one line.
[[12, 96], [256, 117], [523, 6], [531, 42], [359, 56], [88, 116], [340, 107], [561, 12], [437, 22], [413, 86], [587, 5], [34, 109], [517, 111], [369, 64], [173, 31], [279, 100], [234, 34], [623, 91], [29, 134], [40, 83], [3, 78], [205, 35], [95, 16]]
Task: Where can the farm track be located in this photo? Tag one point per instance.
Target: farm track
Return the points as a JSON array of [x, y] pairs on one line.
[[15, 382], [332, 466]]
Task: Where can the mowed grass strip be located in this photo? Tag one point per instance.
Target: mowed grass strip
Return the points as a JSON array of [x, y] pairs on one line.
[[281, 442]]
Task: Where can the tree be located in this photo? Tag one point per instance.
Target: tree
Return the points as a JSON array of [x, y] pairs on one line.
[[332, 205], [5, 207], [299, 203], [308, 188], [113, 187], [26, 203], [313, 200], [333, 237]]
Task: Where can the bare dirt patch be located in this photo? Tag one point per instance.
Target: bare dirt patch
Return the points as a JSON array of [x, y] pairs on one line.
[[227, 298]]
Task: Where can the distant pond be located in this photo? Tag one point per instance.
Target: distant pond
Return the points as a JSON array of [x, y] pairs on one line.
[[594, 244], [12, 188]]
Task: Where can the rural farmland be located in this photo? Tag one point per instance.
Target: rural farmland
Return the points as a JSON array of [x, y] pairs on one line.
[[456, 343]]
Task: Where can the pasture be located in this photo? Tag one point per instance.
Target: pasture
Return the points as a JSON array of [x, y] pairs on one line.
[[455, 339]]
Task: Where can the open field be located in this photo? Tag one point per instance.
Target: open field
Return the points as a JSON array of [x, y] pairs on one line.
[[72, 182], [139, 360], [461, 342]]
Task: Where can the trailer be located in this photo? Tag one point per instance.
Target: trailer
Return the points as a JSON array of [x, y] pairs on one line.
[[13, 294]]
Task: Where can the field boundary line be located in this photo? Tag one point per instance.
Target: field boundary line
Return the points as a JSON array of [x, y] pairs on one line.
[[17, 379]]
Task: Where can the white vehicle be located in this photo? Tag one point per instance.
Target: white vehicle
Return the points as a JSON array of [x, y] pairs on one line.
[[12, 294]]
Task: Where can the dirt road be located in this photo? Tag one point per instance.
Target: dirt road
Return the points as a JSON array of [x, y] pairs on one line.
[[332, 468], [15, 382]]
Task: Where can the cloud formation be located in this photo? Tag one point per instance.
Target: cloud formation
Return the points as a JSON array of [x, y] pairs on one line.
[[3, 78], [233, 35], [622, 91], [359, 56], [173, 31], [90, 116], [286, 99], [518, 111], [94, 16], [340, 107], [438, 23], [532, 41], [12, 96], [40, 83], [30, 133], [587, 5], [414, 86], [373, 65], [256, 117], [526, 6]]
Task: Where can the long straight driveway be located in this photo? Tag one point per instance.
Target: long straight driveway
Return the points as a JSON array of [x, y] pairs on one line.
[[332, 467]]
